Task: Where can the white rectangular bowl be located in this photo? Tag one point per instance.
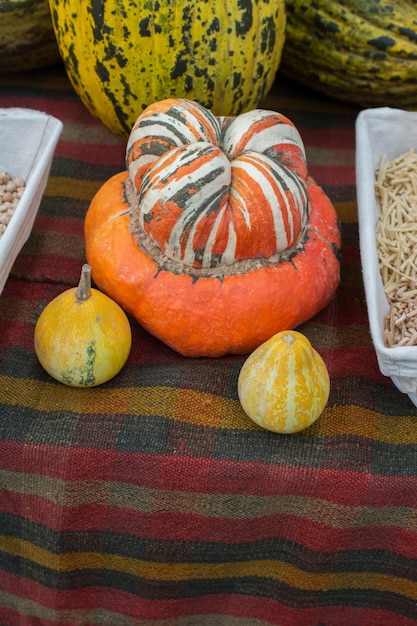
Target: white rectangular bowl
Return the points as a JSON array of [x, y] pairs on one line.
[[382, 131], [27, 143]]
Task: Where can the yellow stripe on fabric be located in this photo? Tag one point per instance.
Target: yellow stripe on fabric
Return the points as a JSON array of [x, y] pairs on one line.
[[62, 186], [178, 572], [356, 421], [185, 405], [347, 211], [196, 407]]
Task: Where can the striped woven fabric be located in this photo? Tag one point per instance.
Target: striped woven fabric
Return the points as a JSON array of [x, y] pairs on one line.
[[153, 500]]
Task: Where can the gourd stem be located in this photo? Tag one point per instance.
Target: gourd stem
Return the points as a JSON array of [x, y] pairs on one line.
[[84, 286]]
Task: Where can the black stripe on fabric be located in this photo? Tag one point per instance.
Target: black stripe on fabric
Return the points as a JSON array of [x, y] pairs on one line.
[[40, 92], [339, 193], [319, 120], [278, 550], [65, 207], [80, 170], [159, 434], [212, 376], [148, 434], [369, 598], [350, 235]]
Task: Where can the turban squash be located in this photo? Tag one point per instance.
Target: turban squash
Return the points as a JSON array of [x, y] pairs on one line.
[[123, 56], [215, 237], [363, 52]]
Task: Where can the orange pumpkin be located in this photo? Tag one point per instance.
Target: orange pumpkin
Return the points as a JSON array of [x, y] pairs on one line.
[[215, 237]]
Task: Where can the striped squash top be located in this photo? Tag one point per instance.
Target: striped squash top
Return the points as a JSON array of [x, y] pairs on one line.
[[212, 191]]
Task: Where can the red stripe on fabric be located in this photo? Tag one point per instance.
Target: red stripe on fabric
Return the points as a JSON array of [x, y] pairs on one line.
[[32, 292], [329, 138], [351, 256], [176, 526], [303, 531], [59, 225], [332, 174], [354, 314], [123, 603], [366, 364], [18, 335], [72, 111], [204, 475], [345, 309], [87, 517], [43, 266], [99, 154]]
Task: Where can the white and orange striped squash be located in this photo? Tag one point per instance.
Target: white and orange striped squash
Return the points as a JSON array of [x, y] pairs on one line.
[[215, 237], [284, 384]]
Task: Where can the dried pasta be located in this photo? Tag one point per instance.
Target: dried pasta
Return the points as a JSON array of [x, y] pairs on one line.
[[396, 238]]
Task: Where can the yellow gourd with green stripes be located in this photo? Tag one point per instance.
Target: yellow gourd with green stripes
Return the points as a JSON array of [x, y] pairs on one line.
[[27, 39], [364, 52], [284, 384], [82, 338], [123, 56]]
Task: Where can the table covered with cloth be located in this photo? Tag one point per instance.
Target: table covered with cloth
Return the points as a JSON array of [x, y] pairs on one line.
[[153, 500]]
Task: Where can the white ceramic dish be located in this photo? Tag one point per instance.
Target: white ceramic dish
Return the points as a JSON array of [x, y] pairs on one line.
[[27, 143], [382, 131]]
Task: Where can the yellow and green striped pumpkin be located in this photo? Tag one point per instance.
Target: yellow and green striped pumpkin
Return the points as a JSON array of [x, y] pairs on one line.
[[27, 39], [284, 384], [123, 56], [362, 51]]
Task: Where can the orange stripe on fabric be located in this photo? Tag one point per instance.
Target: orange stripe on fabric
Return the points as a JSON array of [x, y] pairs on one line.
[[276, 570], [178, 404], [197, 407], [347, 211]]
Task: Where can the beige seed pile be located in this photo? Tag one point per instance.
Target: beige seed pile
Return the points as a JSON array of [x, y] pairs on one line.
[[11, 190], [396, 237]]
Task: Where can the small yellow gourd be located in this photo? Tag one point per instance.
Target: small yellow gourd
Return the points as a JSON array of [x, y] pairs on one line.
[[82, 337], [284, 384]]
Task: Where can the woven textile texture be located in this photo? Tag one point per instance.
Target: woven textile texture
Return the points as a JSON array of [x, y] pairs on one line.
[[153, 500]]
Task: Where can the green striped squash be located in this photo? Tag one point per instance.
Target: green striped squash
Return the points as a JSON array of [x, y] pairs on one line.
[[123, 56], [363, 52], [27, 38]]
